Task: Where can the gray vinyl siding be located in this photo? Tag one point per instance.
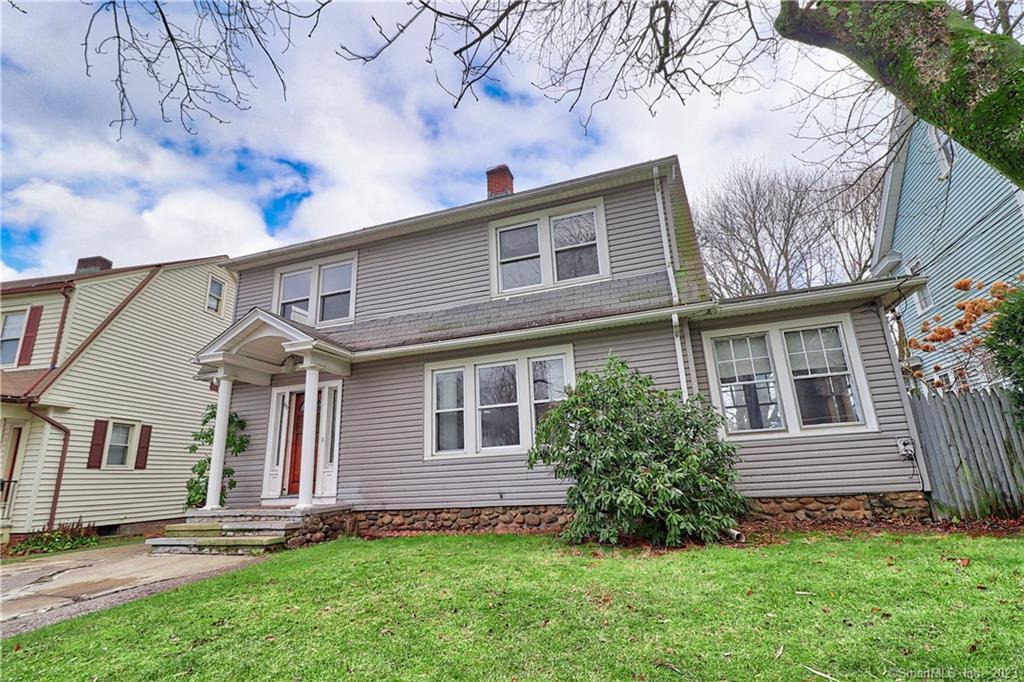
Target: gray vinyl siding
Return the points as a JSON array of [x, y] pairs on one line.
[[381, 461], [450, 267], [833, 464], [252, 403]]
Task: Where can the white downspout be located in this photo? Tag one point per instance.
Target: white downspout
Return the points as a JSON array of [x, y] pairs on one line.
[[670, 271]]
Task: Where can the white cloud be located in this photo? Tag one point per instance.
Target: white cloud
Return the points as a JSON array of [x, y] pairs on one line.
[[382, 143]]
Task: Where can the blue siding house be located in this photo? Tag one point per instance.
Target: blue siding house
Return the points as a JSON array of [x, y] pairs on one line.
[[948, 215]]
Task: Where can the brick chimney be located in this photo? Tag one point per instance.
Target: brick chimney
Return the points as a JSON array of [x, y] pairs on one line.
[[499, 181], [92, 264]]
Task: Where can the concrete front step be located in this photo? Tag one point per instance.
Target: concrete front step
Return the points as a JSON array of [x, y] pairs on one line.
[[230, 528], [258, 514], [251, 544]]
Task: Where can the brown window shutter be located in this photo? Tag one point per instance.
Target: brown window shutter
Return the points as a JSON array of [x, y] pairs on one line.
[[99, 439], [143, 452], [28, 338]]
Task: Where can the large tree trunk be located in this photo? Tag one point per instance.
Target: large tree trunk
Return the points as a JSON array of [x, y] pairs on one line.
[[952, 74]]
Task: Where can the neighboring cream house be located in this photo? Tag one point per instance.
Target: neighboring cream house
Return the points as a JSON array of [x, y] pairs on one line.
[[99, 399]]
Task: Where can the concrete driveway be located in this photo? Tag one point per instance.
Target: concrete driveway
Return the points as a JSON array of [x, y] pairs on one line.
[[37, 592]]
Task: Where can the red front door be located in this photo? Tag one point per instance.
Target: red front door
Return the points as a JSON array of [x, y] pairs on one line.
[[295, 458], [295, 446]]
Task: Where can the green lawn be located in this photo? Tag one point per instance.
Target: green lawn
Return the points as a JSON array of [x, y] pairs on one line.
[[508, 607]]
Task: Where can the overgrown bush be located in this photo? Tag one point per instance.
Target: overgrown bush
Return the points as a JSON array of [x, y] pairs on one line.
[[237, 443], [64, 537], [642, 461], [1006, 341]]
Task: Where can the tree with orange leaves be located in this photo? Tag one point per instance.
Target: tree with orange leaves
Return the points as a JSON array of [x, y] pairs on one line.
[[967, 335]]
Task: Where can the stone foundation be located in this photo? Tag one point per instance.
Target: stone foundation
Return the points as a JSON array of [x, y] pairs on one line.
[[528, 519], [321, 527], [911, 505]]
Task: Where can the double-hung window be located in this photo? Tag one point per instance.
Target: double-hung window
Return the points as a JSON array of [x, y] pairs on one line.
[[945, 151], [519, 257], [491, 405], [791, 379], [119, 444], [318, 293], [923, 296], [215, 295], [750, 396], [563, 246], [575, 242], [10, 336], [821, 376]]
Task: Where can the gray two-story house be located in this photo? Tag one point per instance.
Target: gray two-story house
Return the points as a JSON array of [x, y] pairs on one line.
[[398, 371]]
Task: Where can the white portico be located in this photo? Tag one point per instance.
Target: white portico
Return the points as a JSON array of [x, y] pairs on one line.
[[301, 460]]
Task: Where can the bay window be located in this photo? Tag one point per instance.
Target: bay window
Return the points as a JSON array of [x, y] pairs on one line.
[[490, 405], [792, 378], [319, 293], [557, 247]]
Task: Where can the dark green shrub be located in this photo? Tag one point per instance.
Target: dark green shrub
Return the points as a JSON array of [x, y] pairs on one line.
[[642, 461], [1006, 341], [237, 443]]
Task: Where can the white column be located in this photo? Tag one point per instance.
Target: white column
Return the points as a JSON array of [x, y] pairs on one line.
[[220, 439], [309, 410]]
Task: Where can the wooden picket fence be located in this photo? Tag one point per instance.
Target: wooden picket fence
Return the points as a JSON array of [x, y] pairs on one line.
[[974, 453]]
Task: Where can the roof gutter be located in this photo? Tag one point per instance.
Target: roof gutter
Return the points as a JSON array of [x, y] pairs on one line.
[[63, 458]]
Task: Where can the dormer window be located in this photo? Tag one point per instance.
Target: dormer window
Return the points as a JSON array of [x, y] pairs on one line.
[[320, 293], [558, 247]]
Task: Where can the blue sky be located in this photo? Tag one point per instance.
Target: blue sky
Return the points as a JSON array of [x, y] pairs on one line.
[[351, 146]]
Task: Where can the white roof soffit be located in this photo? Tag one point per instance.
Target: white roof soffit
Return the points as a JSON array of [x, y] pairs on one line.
[[488, 209]]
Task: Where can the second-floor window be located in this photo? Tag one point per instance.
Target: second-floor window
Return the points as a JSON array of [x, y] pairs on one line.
[[215, 296], [945, 151], [317, 293], [557, 247], [10, 336]]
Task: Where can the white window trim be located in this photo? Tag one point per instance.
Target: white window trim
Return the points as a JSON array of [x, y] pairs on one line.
[[21, 339], [273, 470], [524, 395], [223, 295], [545, 240], [314, 287], [133, 444], [776, 380], [913, 268], [786, 383], [945, 162]]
